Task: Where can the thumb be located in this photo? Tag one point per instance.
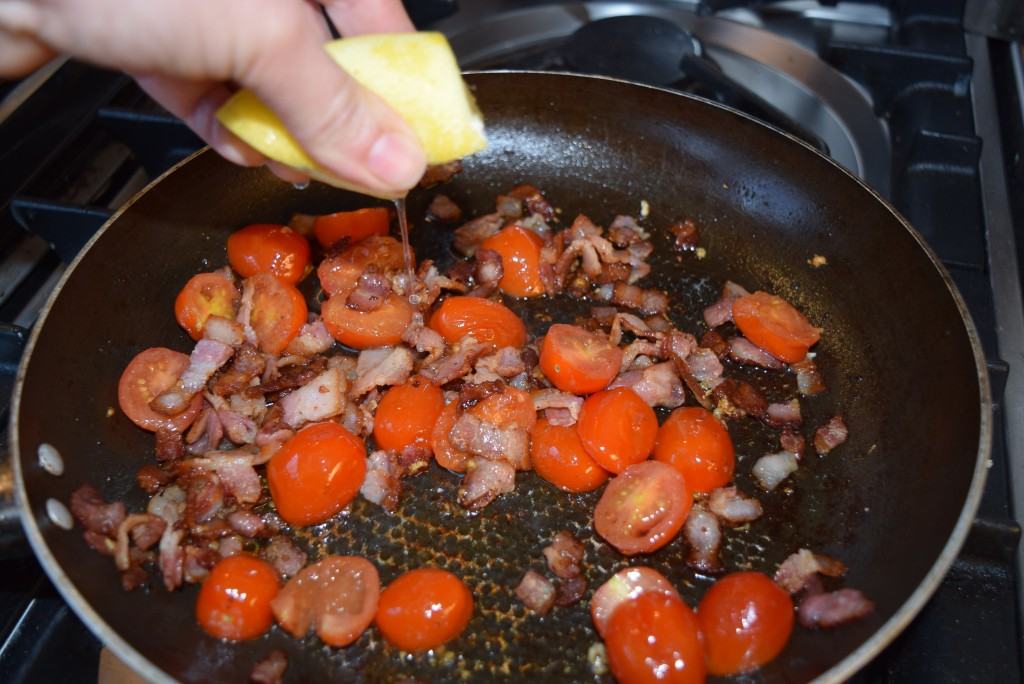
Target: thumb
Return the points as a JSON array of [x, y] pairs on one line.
[[346, 128]]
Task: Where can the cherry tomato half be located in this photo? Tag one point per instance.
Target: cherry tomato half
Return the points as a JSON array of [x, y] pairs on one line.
[[234, 601], [622, 587], [642, 509], [446, 455], [355, 225], [510, 408], [746, 619], [205, 295], [520, 260], [381, 327], [559, 457], [269, 248], [152, 372], [577, 360], [696, 444], [655, 639], [407, 414], [486, 320], [341, 273], [424, 608], [278, 312], [316, 473], [617, 428], [773, 324]]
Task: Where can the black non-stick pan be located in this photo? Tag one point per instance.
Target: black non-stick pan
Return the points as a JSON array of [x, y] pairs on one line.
[[899, 353]]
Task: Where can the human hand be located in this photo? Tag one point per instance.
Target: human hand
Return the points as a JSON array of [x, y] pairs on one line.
[[190, 55]]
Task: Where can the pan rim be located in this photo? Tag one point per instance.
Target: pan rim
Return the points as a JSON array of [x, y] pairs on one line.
[[839, 672]]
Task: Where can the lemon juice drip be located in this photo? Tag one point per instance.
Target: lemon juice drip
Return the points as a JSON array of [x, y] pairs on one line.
[[403, 228]]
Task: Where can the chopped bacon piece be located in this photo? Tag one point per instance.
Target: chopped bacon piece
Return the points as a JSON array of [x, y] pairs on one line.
[[284, 555], [536, 592], [223, 330], [564, 555], [133, 578], [424, 339], [198, 562], [704, 535], [830, 435], [382, 483], [205, 433], [624, 231], [792, 441], [469, 235], [796, 571], [172, 557], [204, 497], [379, 367], [369, 292], [206, 359], [169, 445], [808, 379], [705, 368], [571, 590], [313, 338], [95, 514], [737, 398], [658, 385], [456, 363], [491, 442], [444, 209], [823, 611], [733, 506], [231, 545], [534, 200], [472, 393], [238, 428], [270, 670], [510, 208], [743, 350], [771, 470], [507, 362], [487, 273], [292, 376], [246, 523], [235, 473], [322, 398], [686, 234], [784, 413], [716, 343], [147, 533], [151, 478], [484, 481], [125, 532], [549, 399], [647, 302], [246, 365], [440, 173], [720, 312]]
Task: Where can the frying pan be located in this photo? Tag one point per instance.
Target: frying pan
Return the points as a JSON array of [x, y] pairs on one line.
[[899, 354]]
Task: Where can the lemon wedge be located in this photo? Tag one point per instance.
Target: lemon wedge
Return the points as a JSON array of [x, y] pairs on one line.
[[415, 73]]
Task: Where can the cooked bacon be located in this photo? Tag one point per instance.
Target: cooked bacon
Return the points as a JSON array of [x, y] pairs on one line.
[[206, 359], [823, 611], [424, 339], [720, 312], [784, 413], [771, 470], [379, 367], [369, 293], [440, 173], [94, 514], [830, 435], [235, 473], [621, 321], [534, 200], [246, 523], [149, 527], [224, 330], [504, 363], [271, 669], [808, 380], [169, 445], [206, 432], [564, 555], [151, 478], [414, 459], [231, 545], [284, 555], [472, 393], [548, 399], [617, 272], [322, 398], [744, 351], [274, 429], [244, 315], [485, 480], [198, 562], [624, 231], [716, 343], [705, 368], [536, 592], [704, 535], [491, 442], [487, 273], [796, 571], [172, 557], [792, 441], [686, 234], [430, 283], [638, 354], [204, 497], [737, 398], [469, 235], [168, 504], [382, 483], [733, 507], [291, 376], [647, 302], [658, 385], [238, 428], [456, 363], [133, 578], [99, 542], [510, 208], [570, 591], [444, 209], [313, 338]]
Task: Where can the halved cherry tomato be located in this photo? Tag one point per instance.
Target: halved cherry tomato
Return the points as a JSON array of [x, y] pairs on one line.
[[234, 601], [269, 248], [337, 595], [559, 457], [446, 455], [486, 320], [152, 372], [316, 473], [655, 639], [278, 312], [520, 260], [407, 414], [205, 295], [510, 408], [746, 619], [341, 273], [642, 509], [364, 329], [693, 442], [423, 609], [617, 428], [622, 587], [577, 360], [773, 324], [355, 225]]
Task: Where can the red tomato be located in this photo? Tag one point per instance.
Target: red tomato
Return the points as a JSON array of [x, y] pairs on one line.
[[624, 586], [340, 273], [642, 509], [520, 260], [746, 619], [773, 324], [486, 320], [446, 455], [510, 408], [338, 596], [205, 295], [364, 329], [577, 360], [355, 225], [693, 442], [278, 312], [655, 639], [617, 428], [151, 373], [407, 413], [423, 609], [316, 473], [559, 457], [234, 601], [269, 248]]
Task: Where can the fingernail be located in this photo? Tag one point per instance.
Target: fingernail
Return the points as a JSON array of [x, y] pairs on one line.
[[397, 161]]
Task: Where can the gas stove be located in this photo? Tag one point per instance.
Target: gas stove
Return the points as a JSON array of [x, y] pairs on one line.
[[913, 96]]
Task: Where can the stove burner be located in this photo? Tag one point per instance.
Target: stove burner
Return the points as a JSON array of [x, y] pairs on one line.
[[636, 48]]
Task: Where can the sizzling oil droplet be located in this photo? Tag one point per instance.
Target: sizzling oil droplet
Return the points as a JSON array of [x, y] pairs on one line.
[[403, 227]]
